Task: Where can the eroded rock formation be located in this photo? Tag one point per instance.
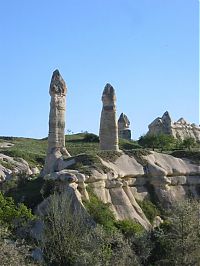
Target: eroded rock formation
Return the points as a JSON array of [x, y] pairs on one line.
[[108, 133], [123, 127], [132, 177], [10, 167], [56, 137], [179, 130]]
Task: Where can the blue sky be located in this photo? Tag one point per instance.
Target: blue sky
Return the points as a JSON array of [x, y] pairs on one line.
[[147, 49]]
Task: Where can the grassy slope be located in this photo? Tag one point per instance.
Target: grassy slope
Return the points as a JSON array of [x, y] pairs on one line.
[[34, 150]]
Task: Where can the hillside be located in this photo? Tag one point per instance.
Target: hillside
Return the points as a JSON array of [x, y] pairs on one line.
[[129, 194]]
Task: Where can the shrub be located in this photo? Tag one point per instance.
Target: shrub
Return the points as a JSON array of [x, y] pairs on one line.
[[149, 209], [128, 144], [70, 240], [90, 137], [129, 227], [100, 211], [24, 190], [12, 215]]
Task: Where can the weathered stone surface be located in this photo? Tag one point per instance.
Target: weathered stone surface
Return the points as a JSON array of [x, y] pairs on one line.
[[157, 221], [56, 137], [125, 166], [6, 145], [10, 166], [123, 127], [108, 133], [129, 179], [179, 130], [170, 165]]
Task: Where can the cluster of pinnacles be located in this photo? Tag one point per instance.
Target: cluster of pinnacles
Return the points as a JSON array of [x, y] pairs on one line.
[[108, 134]]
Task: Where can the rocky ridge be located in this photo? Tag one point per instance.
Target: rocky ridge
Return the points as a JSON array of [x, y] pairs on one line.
[[131, 178], [180, 129]]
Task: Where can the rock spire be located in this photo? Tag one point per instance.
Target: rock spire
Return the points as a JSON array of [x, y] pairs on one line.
[[123, 127], [108, 133], [56, 137]]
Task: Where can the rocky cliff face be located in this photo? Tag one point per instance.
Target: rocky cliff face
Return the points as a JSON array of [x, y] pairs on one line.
[[133, 177], [179, 130]]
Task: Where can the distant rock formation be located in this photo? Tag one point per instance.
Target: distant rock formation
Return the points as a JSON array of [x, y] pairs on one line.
[[123, 127], [56, 137], [108, 134], [179, 130]]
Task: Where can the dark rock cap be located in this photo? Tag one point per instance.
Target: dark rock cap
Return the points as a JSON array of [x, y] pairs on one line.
[[57, 85], [124, 119], [108, 94]]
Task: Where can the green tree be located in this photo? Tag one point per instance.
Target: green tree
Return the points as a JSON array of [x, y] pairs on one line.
[[72, 238], [160, 141], [179, 242], [188, 143], [165, 142], [148, 141]]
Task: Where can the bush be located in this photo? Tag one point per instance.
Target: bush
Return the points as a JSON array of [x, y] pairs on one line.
[[128, 144], [13, 216], [129, 227], [24, 190], [90, 137], [149, 209], [69, 239], [100, 211], [160, 141]]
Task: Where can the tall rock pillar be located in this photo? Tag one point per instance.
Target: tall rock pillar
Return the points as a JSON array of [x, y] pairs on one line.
[[108, 133], [56, 137]]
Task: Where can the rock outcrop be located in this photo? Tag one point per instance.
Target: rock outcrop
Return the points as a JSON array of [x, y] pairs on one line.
[[10, 167], [56, 137], [179, 130], [133, 177], [123, 127], [108, 133]]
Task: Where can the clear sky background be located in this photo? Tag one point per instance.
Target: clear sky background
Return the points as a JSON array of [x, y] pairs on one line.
[[147, 49]]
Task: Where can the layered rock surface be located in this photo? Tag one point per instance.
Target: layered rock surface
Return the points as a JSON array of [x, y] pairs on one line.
[[179, 130], [131, 178]]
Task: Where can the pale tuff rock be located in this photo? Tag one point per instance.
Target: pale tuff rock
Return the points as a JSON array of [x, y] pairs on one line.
[[6, 145], [10, 166], [179, 130], [56, 137], [123, 127], [130, 178], [108, 133]]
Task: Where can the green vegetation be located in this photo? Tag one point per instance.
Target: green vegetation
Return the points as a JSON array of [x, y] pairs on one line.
[[23, 190], [98, 239], [177, 241], [100, 211], [149, 209], [31, 150], [111, 156], [194, 156], [86, 162], [12, 215], [128, 144], [161, 142], [129, 228], [70, 239]]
